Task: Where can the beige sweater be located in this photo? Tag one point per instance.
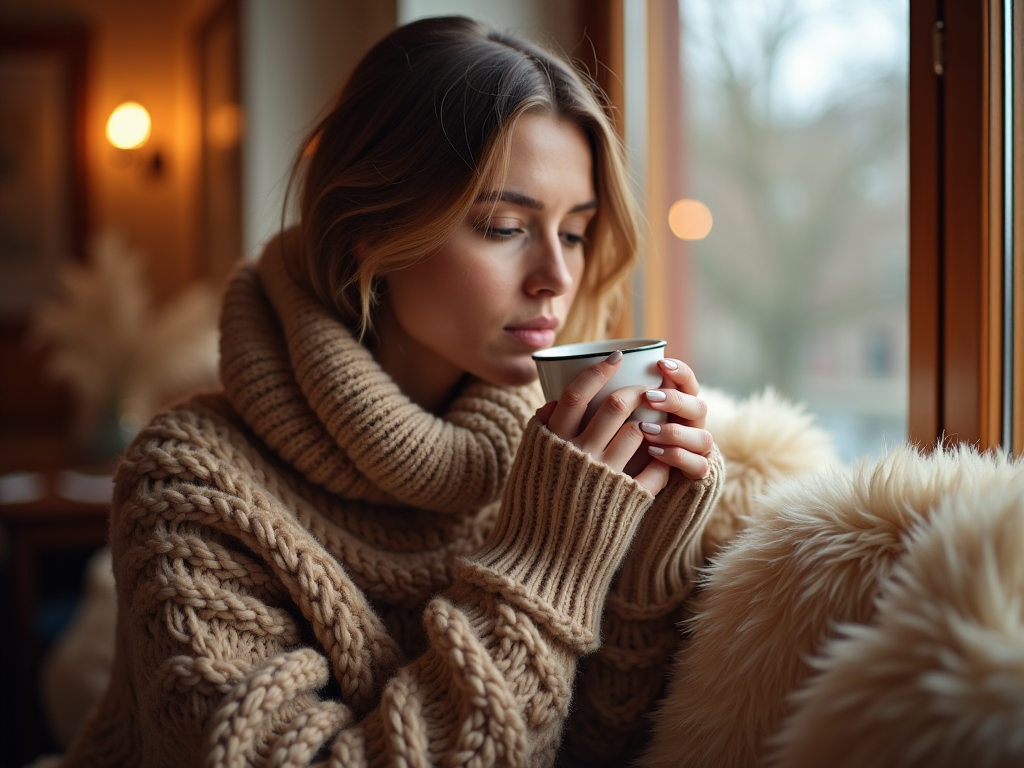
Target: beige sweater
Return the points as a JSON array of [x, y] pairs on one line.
[[311, 568]]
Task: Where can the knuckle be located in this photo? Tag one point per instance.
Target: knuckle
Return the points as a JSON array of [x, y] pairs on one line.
[[593, 378], [571, 397], [707, 441], [617, 404], [702, 407]]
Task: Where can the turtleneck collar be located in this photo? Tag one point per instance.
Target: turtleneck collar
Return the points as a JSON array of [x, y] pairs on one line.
[[317, 398]]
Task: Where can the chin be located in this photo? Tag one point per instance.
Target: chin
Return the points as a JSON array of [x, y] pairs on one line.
[[515, 375]]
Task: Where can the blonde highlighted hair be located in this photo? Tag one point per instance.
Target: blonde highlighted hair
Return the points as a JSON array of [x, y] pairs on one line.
[[422, 126]]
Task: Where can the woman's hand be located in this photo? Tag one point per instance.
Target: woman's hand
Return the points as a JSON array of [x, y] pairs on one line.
[[611, 439], [682, 442]]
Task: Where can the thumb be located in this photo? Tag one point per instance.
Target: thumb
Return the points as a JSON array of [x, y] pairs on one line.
[[545, 411], [654, 477]]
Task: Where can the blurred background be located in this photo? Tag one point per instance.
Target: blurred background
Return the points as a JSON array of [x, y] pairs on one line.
[[796, 144], [145, 148]]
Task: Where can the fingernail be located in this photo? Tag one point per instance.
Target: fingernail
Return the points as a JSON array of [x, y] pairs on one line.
[[672, 365], [655, 450], [614, 357], [650, 428], [655, 396]]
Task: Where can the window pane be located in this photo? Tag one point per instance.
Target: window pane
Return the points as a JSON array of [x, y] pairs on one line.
[[796, 114]]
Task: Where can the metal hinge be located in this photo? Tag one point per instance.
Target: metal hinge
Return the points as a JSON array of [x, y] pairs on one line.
[[939, 48]]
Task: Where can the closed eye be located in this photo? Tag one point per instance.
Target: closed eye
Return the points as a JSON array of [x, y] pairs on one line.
[[500, 233], [487, 229], [574, 240]]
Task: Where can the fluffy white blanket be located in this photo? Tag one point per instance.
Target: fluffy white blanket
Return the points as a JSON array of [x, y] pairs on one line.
[[871, 615], [763, 439]]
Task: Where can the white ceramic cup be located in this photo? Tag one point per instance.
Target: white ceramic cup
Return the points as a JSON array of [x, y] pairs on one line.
[[558, 366]]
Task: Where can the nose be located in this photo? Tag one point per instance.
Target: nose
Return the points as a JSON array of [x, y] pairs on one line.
[[549, 273]]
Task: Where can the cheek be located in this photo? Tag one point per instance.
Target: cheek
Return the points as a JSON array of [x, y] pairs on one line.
[[416, 296], [478, 285], [455, 289], [576, 268]]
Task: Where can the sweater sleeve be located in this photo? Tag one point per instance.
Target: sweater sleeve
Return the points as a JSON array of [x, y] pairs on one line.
[[213, 665], [618, 686]]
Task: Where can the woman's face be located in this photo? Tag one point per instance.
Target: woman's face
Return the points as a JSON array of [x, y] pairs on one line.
[[502, 286]]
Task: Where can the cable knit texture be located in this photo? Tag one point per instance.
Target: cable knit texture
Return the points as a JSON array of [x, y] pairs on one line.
[[312, 569]]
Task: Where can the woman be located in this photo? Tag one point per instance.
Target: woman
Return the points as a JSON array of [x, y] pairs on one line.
[[365, 549]]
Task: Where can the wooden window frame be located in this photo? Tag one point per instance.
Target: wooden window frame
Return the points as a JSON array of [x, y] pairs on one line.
[[956, 235]]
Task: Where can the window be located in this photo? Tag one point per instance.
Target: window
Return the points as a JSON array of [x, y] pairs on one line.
[[810, 216]]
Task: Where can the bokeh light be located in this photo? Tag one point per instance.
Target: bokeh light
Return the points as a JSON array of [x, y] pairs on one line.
[[225, 125], [689, 219]]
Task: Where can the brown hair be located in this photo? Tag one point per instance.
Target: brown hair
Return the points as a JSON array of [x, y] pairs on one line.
[[423, 123]]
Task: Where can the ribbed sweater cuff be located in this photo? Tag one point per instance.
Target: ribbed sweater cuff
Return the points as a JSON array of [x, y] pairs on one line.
[[565, 525], [660, 572]]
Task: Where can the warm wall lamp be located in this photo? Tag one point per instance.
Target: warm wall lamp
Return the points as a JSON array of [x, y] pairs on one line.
[[128, 129], [128, 126]]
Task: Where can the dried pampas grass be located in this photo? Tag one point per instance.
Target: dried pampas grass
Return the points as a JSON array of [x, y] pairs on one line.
[[107, 342], [771, 601], [177, 351], [89, 330]]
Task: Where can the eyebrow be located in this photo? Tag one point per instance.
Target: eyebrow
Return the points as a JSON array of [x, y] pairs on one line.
[[518, 198]]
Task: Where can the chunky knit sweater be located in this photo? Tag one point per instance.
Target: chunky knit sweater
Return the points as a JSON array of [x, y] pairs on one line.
[[312, 568]]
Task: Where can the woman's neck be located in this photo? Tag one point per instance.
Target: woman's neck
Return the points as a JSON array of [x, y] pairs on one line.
[[423, 376]]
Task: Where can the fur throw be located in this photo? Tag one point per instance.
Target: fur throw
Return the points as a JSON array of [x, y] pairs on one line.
[[763, 439], [937, 678], [900, 583]]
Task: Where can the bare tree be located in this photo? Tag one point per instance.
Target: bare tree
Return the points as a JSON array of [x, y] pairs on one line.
[[803, 239]]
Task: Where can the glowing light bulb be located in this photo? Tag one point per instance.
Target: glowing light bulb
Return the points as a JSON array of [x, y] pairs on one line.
[[128, 126], [689, 219]]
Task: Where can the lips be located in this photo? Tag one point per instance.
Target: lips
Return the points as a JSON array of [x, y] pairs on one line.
[[538, 332], [543, 323]]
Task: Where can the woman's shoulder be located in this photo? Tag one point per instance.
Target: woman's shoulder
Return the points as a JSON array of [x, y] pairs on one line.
[[200, 441], [198, 467]]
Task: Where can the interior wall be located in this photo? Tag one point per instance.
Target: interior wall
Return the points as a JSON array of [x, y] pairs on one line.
[[295, 57], [549, 22]]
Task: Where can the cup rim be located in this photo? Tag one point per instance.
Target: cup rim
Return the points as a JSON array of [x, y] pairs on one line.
[[637, 345]]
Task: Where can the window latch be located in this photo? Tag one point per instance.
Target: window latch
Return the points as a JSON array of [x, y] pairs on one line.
[[939, 48]]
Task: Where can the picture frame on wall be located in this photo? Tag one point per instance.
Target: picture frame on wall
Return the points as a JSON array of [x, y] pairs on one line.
[[42, 161]]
